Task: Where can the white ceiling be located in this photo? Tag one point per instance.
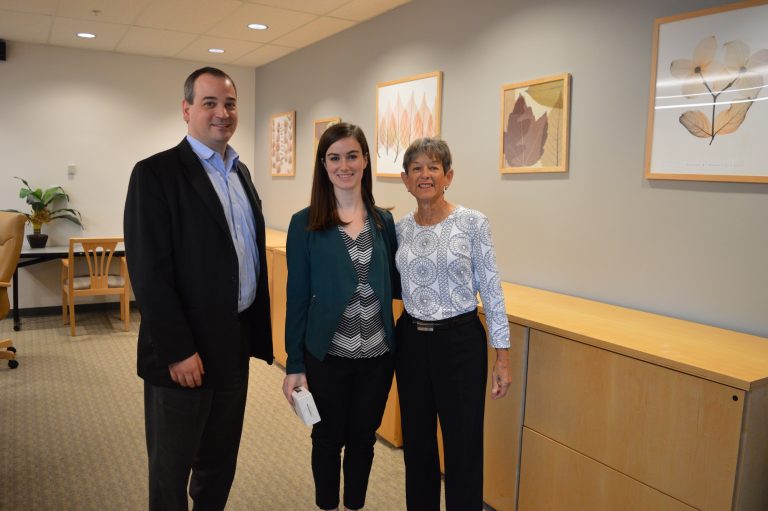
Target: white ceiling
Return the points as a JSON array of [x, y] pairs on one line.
[[186, 29]]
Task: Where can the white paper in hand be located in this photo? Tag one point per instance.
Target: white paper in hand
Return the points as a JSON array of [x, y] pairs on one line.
[[304, 406]]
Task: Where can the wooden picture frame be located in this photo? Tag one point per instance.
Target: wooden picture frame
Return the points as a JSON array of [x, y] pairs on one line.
[[282, 144], [534, 125], [318, 128], [406, 109], [708, 114]]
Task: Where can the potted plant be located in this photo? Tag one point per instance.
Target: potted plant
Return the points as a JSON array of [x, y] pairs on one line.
[[40, 200]]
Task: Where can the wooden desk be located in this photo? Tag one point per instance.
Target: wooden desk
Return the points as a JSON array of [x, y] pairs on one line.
[[31, 256]]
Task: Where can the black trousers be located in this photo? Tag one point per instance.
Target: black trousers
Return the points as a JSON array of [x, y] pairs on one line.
[[194, 431], [350, 395], [442, 374]]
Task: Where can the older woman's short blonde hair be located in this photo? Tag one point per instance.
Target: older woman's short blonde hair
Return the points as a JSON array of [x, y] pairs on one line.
[[433, 147]]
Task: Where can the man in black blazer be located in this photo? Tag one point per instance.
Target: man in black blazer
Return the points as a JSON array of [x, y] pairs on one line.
[[194, 239]]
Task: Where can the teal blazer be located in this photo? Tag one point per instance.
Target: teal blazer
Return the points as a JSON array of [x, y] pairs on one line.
[[322, 279]]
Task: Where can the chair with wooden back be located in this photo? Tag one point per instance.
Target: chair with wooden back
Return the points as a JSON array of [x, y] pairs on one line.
[[98, 253], [11, 239]]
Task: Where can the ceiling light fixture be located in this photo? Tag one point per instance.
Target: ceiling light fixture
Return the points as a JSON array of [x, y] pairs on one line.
[[86, 35], [257, 26], [215, 50]]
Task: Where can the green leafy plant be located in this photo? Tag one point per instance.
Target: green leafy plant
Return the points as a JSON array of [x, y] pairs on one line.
[[40, 200]]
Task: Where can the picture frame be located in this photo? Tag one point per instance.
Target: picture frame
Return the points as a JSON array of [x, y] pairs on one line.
[[707, 112], [282, 144], [406, 109], [535, 120], [318, 128]]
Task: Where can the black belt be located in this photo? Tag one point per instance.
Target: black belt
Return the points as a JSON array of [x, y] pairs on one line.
[[431, 326]]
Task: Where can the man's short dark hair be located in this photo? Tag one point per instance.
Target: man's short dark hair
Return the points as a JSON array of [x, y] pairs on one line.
[[189, 84]]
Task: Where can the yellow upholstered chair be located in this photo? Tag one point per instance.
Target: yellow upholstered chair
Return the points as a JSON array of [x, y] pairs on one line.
[[98, 254], [11, 238]]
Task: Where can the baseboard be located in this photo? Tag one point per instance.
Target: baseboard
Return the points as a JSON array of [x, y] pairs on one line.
[[55, 310]]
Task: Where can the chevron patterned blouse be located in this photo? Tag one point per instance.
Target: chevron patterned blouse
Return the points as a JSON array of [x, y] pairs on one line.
[[360, 332]]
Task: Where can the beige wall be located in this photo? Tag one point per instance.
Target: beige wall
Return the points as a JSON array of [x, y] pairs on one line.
[[101, 111], [693, 250]]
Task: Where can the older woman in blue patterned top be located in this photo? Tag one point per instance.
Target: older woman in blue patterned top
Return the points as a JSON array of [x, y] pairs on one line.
[[445, 257]]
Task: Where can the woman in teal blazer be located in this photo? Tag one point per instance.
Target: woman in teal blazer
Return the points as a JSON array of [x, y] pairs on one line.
[[339, 330]]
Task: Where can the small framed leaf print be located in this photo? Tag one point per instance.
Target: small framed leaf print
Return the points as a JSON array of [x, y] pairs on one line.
[[320, 125], [708, 117], [282, 144], [534, 125]]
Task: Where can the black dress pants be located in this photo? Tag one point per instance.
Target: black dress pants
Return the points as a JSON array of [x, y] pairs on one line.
[[350, 394], [194, 431], [442, 374]]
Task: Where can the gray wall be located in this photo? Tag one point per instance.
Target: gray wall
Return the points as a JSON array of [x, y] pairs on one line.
[[693, 250]]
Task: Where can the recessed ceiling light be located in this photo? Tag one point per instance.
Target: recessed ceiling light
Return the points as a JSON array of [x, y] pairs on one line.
[[215, 50], [86, 35], [257, 26]]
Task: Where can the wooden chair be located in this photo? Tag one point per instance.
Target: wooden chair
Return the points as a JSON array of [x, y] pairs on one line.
[[98, 254], [11, 239]]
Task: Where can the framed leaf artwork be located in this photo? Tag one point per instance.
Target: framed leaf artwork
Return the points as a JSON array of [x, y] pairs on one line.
[[282, 144], [320, 125], [406, 109], [708, 114], [534, 125]]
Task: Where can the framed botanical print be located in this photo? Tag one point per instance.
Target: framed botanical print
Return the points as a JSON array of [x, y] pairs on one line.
[[406, 109], [534, 125], [708, 114], [319, 127], [282, 144]]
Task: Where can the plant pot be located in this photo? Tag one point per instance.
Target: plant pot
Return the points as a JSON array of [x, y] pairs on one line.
[[37, 240]]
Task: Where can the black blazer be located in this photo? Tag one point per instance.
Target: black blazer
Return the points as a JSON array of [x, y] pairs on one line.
[[184, 271]]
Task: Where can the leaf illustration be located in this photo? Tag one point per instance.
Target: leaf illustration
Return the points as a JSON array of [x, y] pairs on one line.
[[547, 94], [729, 120], [525, 136], [392, 131], [418, 126], [551, 156], [404, 129], [697, 123]]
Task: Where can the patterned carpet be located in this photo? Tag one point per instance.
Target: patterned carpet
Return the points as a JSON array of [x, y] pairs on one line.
[[72, 431]]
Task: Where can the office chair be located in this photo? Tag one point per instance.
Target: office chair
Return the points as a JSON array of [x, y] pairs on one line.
[[98, 254], [11, 239]]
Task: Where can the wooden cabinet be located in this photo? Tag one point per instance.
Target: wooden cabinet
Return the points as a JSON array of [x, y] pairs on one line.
[[555, 477], [635, 411], [675, 432], [503, 426], [278, 304]]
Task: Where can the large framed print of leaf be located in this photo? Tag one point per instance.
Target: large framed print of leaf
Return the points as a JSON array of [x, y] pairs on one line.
[[282, 144], [708, 114], [406, 109], [534, 125]]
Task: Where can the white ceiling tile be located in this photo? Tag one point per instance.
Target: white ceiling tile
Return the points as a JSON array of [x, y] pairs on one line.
[[64, 33], [279, 21], [233, 49], [197, 16], [313, 32], [112, 11], [312, 6], [361, 10], [35, 6], [152, 41], [263, 55], [25, 28]]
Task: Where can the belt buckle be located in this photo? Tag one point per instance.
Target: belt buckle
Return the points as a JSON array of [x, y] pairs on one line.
[[424, 327]]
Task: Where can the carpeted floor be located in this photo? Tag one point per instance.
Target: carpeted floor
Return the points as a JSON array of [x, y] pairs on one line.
[[72, 431]]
